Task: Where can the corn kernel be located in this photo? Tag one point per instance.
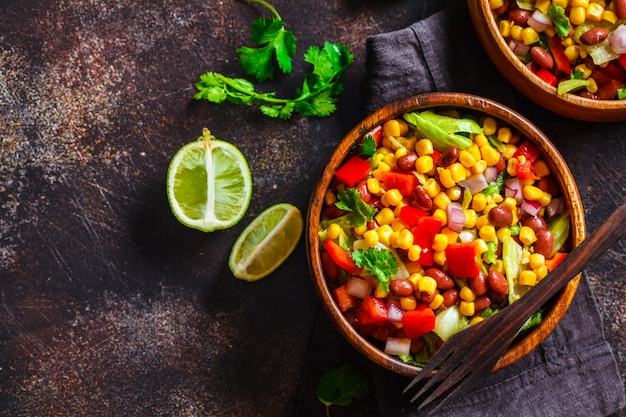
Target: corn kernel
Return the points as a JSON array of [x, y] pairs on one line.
[[400, 152], [405, 239], [550, 31], [470, 218], [380, 169], [390, 159], [504, 134], [330, 198], [424, 164], [594, 12], [394, 197], [440, 242], [577, 15], [509, 203], [467, 308], [395, 127], [490, 155], [543, 5], [467, 294], [527, 235], [480, 139], [503, 232], [497, 198], [454, 193], [408, 303], [490, 125], [414, 253], [458, 172], [467, 159], [536, 260], [511, 166], [481, 245], [561, 3], [414, 279], [498, 265], [592, 87], [393, 239], [445, 177], [586, 71], [495, 4], [527, 277], [532, 193], [441, 215], [505, 28], [409, 143], [572, 53], [488, 233], [529, 36], [333, 231], [424, 147], [371, 238], [476, 320], [384, 234], [380, 293], [427, 284], [516, 32], [541, 168], [397, 224], [479, 201], [436, 302], [384, 216], [482, 221], [441, 200], [541, 272], [359, 230], [439, 257], [609, 16], [373, 185]]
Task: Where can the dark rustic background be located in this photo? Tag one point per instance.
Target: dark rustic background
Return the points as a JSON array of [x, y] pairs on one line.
[[110, 307]]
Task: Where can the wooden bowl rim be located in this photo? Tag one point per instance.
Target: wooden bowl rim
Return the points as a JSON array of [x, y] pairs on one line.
[[528, 83], [443, 100]]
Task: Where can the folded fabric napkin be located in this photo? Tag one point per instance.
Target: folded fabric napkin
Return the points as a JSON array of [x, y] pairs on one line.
[[573, 372]]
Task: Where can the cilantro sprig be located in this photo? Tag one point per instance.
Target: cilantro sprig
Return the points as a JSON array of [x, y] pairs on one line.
[[380, 263], [273, 42], [359, 212], [367, 147], [320, 88], [339, 386]]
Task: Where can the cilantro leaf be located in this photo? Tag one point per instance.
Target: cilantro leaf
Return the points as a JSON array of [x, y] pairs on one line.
[[278, 42], [367, 147], [359, 212], [379, 262], [339, 386], [495, 187], [560, 20]]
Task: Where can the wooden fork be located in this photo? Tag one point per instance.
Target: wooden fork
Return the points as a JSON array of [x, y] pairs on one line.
[[472, 353]]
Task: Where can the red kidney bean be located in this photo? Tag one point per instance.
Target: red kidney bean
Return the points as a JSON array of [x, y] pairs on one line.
[[422, 198], [500, 216], [500, 165], [332, 212], [548, 185], [594, 36], [620, 8], [450, 297], [417, 344], [542, 57], [496, 298], [449, 156], [498, 282], [428, 298], [361, 187], [481, 303], [444, 282], [519, 16], [330, 268], [407, 162], [478, 284], [401, 287], [536, 223], [544, 242]]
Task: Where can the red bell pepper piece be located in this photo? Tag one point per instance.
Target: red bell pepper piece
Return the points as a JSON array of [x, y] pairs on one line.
[[418, 322], [379, 331], [424, 233], [612, 71], [340, 256], [608, 91], [463, 260], [436, 156], [376, 133], [524, 170], [622, 61], [353, 171], [411, 215], [529, 151], [371, 311], [555, 260], [547, 76], [344, 300], [405, 183], [560, 59]]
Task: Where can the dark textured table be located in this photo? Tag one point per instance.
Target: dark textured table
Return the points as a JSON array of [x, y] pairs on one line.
[[110, 307]]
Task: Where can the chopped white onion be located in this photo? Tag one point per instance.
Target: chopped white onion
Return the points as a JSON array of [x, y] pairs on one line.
[[466, 236], [513, 188], [556, 206], [456, 217], [539, 21], [476, 183], [491, 174], [394, 312], [617, 40], [397, 346], [531, 207], [358, 287], [519, 48]]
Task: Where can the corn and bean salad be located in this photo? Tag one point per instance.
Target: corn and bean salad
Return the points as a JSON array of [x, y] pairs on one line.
[[435, 221], [577, 46]]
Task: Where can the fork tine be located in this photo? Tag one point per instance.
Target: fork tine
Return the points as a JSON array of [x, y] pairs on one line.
[[441, 355], [438, 378]]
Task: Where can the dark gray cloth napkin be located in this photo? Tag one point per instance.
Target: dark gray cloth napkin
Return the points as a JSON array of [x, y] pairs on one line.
[[573, 372]]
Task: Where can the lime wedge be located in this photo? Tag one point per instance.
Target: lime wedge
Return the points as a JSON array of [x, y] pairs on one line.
[[266, 242], [209, 185]]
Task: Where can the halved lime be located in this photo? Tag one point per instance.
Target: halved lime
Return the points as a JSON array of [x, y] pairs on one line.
[[209, 185], [266, 242]]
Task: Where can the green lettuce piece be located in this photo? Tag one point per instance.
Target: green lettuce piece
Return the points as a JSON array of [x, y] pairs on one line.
[[449, 322], [442, 130], [560, 20], [560, 228], [512, 258]]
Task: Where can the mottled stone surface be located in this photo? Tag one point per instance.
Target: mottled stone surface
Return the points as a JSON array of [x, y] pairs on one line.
[[110, 307]]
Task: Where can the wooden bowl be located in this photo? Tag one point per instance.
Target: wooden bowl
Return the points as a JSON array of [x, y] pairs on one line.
[[529, 84], [440, 101]]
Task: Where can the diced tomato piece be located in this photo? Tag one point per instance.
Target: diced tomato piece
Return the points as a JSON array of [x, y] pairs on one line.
[[379, 331], [436, 156], [405, 183], [529, 151], [463, 260], [371, 311], [612, 71], [353, 171], [622, 61], [555, 260], [424, 233], [560, 59], [344, 300], [608, 91], [418, 322], [340, 256], [524, 170], [411, 215], [547, 76], [376, 133]]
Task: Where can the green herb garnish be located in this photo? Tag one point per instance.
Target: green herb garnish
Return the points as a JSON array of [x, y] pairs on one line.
[[359, 212], [367, 147], [339, 386], [560, 20], [272, 41], [379, 263]]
